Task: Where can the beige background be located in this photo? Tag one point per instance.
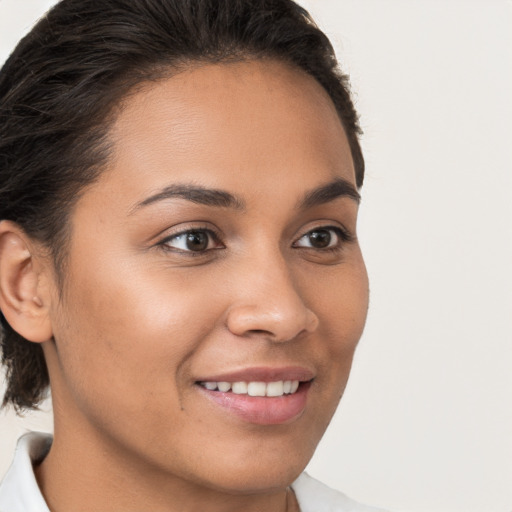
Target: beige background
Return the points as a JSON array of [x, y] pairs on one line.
[[426, 422]]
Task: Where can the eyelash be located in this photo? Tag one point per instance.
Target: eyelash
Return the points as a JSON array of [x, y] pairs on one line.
[[343, 237], [342, 234], [212, 236]]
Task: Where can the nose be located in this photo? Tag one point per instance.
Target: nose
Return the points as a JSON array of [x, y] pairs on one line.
[[267, 303]]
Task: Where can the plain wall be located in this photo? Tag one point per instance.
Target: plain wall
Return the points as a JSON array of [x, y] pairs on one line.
[[426, 421]]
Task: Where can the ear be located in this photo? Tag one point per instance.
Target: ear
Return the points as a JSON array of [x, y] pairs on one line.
[[24, 292]]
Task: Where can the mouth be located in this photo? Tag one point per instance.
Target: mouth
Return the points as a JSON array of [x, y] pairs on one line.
[[254, 388], [260, 396]]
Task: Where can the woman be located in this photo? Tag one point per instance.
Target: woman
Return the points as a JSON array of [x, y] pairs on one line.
[[178, 255]]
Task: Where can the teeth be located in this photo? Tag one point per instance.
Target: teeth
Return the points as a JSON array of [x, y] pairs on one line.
[[224, 386], [275, 388], [256, 389], [240, 388], [271, 389]]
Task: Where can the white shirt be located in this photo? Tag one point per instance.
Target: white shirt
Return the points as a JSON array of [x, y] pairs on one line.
[[19, 491]]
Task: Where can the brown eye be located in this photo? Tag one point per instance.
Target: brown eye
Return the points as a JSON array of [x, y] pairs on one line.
[[323, 238], [319, 239], [194, 240]]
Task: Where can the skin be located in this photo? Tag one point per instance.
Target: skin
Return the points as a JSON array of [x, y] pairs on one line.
[[141, 318]]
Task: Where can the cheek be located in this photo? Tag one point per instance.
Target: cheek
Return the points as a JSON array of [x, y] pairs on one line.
[[126, 332], [342, 309], [340, 301]]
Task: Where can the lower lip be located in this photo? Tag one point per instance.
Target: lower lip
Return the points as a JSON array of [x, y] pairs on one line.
[[262, 410]]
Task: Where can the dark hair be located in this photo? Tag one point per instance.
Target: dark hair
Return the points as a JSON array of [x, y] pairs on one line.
[[61, 85]]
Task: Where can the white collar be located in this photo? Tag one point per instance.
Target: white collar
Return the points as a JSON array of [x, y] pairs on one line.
[[19, 491]]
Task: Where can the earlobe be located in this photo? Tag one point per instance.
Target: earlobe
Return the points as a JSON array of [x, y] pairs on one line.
[[24, 297]]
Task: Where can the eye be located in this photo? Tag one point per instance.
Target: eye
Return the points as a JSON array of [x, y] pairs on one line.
[[329, 237], [193, 240]]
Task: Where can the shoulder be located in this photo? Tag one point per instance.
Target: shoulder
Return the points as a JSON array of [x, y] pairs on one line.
[[19, 491], [314, 496]]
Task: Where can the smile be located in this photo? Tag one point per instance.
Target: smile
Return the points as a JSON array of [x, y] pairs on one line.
[[254, 388], [262, 396]]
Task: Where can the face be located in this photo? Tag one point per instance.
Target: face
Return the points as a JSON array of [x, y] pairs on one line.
[[214, 261]]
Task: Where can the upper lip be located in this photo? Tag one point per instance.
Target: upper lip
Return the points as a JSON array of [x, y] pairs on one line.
[[262, 374]]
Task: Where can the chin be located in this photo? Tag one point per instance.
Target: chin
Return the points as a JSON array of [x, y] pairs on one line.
[[256, 479], [262, 471]]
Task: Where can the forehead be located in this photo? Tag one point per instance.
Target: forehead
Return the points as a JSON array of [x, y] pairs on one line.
[[253, 122]]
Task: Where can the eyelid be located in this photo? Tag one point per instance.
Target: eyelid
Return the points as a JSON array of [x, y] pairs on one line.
[[211, 233], [342, 232]]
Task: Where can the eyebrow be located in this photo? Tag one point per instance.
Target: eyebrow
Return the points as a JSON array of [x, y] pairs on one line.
[[223, 199], [340, 187], [195, 194]]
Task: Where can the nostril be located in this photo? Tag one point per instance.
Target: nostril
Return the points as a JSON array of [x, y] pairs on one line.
[[275, 336], [261, 331]]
